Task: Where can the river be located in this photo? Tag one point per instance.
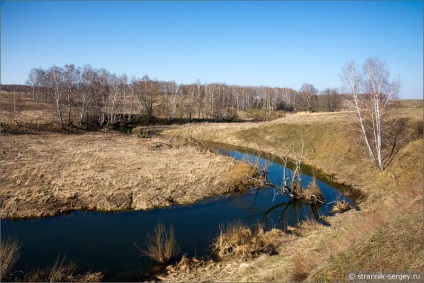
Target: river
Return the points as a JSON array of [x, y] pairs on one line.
[[101, 241]]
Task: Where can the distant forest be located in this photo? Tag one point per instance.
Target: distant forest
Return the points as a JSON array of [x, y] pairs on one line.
[[87, 97]]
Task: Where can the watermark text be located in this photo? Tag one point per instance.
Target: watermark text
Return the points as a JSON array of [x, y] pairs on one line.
[[394, 276]]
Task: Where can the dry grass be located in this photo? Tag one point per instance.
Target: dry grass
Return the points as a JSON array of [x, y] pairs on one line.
[[45, 172], [239, 240], [161, 245], [239, 177], [236, 245], [389, 223], [302, 266], [391, 246], [313, 193], [260, 115], [61, 271], [9, 256], [341, 206], [29, 118], [48, 174], [394, 196]]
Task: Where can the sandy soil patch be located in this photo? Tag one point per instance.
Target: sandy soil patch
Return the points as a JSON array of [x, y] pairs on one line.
[[49, 174]]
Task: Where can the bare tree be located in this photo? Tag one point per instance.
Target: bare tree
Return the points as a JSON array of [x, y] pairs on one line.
[[15, 110], [123, 86], [111, 98], [308, 99], [88, 84], [131, 87], [199, 98], [56, 83], [370, 92], [33, 81], [100, 96], [294, 154], [150, 97], [330, 100], [170, 91], [71, 79]]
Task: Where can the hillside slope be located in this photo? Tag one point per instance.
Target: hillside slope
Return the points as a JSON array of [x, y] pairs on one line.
[[390, 219]]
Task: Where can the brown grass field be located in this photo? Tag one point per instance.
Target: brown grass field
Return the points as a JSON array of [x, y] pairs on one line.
[[47, 173], [110, 171]]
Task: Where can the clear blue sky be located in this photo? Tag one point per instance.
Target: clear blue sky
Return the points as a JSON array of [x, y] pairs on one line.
[[271, 43]]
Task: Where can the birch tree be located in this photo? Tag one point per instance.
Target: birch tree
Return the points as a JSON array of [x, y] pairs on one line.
[[369, 94], [123, 86], [71, 79], [33, 81], [57, 87], [88, 82]]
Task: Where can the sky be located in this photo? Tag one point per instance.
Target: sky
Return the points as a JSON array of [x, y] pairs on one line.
[[271, 43]]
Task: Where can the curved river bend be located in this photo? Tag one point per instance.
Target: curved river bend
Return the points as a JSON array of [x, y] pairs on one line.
[[102, 241]]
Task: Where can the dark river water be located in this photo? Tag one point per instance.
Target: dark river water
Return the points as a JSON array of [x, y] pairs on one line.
[[105, 241]]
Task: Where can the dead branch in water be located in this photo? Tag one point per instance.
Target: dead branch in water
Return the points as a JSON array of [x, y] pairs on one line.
[[312, 194]]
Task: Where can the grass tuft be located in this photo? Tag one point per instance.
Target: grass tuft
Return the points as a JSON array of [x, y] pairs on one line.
[[237, 239], [313, 193], [61, 271], [161, 245], [237, 178], [9, 256], [341, 206], [301, 268]]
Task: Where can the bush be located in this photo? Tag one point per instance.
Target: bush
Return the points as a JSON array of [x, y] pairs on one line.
[[161, 246]]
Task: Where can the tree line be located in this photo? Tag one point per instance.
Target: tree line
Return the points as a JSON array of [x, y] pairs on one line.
[[87, 97]]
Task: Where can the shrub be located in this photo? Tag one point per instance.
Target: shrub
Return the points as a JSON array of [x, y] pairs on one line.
[[161, 246]]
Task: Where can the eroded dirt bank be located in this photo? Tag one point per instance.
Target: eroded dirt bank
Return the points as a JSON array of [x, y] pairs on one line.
[[48, 174]]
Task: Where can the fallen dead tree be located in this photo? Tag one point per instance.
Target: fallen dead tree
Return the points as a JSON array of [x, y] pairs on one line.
[[292, 185]]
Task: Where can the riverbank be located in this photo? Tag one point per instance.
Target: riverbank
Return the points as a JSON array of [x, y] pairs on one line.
[[49, 174], [390, 213]]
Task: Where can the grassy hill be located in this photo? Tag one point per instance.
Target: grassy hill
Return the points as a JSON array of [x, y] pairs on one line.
[[385, 235]]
